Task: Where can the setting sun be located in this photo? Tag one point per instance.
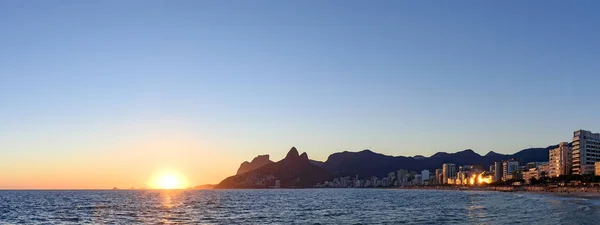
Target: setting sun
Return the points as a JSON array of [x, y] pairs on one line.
[[168, 180]]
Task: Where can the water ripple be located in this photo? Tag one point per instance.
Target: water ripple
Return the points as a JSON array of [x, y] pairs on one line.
[[308, 206]]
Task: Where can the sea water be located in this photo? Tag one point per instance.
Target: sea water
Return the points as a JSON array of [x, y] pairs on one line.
[[299, 206]]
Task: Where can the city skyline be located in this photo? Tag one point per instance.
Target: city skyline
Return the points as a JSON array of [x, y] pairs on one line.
[[103, 94]]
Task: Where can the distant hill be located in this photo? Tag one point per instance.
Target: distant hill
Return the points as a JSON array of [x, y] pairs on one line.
[[316, 163], [257, 162], [204, 186], [367, 163], [417, 157], [294, 171]]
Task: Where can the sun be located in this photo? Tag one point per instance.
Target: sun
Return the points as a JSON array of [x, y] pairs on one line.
[[168, 180]]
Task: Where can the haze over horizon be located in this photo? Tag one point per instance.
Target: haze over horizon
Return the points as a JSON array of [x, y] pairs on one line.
[[97, 94]]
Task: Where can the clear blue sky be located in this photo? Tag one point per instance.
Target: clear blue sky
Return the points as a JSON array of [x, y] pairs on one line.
[[252, 77]]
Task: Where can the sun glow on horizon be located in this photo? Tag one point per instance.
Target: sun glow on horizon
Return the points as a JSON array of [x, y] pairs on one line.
[[168, 180]]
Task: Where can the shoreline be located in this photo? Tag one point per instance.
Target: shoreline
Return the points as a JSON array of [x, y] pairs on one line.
[[580, 192]]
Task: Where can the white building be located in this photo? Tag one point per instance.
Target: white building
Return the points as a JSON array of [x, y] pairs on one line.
[[561, 160], [531, 173], [439, 177], [586, 151], [425, 175], [544, 169], [448, 171]]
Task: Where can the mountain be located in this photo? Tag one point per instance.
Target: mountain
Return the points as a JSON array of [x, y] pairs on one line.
[[417, 157], [367, 163], [204, 186], [257, 162], [316, 163], [294, 171]]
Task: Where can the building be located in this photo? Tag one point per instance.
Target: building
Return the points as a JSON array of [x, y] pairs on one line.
[[508, 168], [439, 176], [425, 175], [597, 168], [418, 179], [531, 165], [560, 160], [492, 168], [498, 171], [586, 151], [544, 169], [391, 177], [531, 173], [448, 171], [402, 176], [462, 177]]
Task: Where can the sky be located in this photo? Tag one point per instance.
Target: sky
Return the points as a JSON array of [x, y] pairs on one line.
[[97, 94]]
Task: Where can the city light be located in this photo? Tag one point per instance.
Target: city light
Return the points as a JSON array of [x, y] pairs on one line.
[[483, 179], [480, 179]]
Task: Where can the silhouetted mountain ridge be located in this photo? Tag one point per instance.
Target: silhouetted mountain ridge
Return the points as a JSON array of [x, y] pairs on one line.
[[257, 162], [367, 163], [294, 171]]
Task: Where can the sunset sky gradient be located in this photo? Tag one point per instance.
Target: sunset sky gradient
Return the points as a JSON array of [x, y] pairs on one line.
[[96, 94]]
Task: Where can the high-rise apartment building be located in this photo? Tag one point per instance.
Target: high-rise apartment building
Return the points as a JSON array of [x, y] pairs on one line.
[[586, 151], [448, 171], [402, 176], [508, 167], [425, 175], [498, 171], [561, 160], [439, 176]]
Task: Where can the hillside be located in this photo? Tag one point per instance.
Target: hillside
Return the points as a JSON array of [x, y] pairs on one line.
[[368, 163], [294, 171]]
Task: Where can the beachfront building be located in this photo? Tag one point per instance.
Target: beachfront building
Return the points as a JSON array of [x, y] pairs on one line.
[[462, 177], [544, 169], [597, 168], [391, 177], [448, 171], [586, 151], [402, 176], [508, 167], [498, 171], [439, 177], [531, 173], [425, 176], [531, 165], [561, 160], [418, 179]]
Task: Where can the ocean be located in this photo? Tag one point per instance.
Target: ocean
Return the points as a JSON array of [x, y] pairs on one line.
[[299, 206]]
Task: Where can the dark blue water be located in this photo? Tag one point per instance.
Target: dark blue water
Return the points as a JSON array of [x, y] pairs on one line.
[[309, 206]]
